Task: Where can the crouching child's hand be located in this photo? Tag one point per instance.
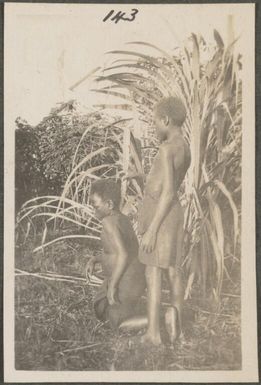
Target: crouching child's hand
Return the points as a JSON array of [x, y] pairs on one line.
[[90, 266], [112, 294]]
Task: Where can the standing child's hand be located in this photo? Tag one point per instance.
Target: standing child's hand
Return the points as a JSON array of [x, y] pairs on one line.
[[111, 295], [148, 241]]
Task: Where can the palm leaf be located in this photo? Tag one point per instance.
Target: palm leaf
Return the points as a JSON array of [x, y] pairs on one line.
[[228, 195], [195, 61], [156, 63], [154, 74], [181, 76], [124, 107], [112, 93], [64, 238], [219, 40]]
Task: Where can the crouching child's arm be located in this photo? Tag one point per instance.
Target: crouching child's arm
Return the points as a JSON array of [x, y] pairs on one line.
[[91, 265], [120, 257]]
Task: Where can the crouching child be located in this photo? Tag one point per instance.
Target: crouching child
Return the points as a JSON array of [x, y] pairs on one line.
[[118, 299]]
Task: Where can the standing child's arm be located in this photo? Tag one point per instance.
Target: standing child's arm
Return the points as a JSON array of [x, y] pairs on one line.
[[120, 254], [166, 199]]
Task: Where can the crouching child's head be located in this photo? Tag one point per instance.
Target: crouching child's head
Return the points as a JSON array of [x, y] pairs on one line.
[[105, 197], [169, 113]]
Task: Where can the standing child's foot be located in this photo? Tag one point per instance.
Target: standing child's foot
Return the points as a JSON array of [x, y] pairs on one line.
[[151, 339], [172, 323]]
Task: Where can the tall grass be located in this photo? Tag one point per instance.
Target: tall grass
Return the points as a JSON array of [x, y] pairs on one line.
[[207, 79], [211, 91]]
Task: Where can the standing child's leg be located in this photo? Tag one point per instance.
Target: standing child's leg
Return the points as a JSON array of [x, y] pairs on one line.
[[174, 315], [175, 274], [177, 296], [153, 278]]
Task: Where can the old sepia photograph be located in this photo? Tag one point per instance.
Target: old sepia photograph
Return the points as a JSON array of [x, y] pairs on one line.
[[129, 193]]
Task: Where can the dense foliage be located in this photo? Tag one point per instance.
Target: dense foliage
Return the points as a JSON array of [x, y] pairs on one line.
[[29, 178], [45, 153]]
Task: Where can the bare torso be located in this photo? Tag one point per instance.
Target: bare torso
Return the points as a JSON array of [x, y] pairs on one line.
[[129, 239], [181, 161]]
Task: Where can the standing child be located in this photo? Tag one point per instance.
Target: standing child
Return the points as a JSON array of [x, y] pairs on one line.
[[118, 297], [161, 219]]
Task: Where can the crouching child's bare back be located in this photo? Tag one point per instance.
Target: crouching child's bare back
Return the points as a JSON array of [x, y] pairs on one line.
[[118, 298]]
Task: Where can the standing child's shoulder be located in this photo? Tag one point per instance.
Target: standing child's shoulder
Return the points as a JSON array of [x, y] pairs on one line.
[[168, 150]]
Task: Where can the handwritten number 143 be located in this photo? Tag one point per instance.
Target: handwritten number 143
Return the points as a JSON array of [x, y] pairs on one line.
[[121, 16]]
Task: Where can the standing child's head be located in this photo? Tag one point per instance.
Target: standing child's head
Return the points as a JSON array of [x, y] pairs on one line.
[[105, 197], [168, 113]]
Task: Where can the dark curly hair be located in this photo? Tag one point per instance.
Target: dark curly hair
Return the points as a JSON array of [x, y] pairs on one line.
[[172, 107], [107, 189]]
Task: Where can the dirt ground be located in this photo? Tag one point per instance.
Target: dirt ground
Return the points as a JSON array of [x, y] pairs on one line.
[[55, 328]]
